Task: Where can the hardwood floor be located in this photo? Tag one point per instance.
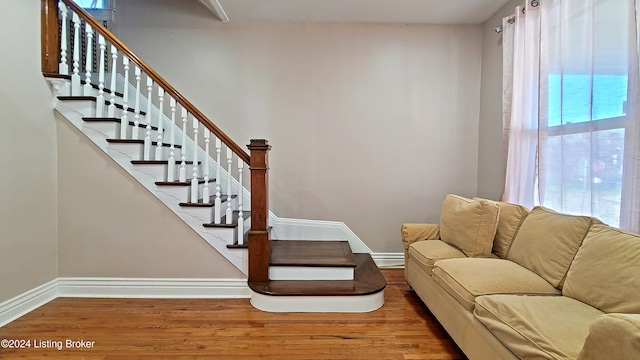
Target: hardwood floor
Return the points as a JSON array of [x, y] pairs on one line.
[[229, 329]]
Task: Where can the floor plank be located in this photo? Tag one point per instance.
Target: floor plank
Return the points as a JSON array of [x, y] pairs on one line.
[[230, 329]]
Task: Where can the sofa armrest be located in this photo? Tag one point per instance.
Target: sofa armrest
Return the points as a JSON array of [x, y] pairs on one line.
[[419, 232], [613, 336]]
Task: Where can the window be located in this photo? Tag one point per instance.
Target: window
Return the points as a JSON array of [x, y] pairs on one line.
[[102, 10], [585, 132]]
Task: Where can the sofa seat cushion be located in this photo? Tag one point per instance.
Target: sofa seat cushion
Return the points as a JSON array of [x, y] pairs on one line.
[[606, 271], [466, 279], [426, 253], [537, 327], [548, 241], [469, 225]]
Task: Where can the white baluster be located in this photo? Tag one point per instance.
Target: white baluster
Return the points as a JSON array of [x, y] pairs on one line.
[[89, 63], [63, 67], [124, 121], [229, 213], [100, 98], [76, 90], [240, 212], [147, 136], [206, 197], [135, 133], [217, 204], [194, 180], [111, 110], [160, 123], [183, 151], [171, 165]]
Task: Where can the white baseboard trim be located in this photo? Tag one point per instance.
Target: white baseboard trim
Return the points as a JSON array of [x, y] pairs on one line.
[[389, 260], [27, 302], [153, 288], [121, 288]]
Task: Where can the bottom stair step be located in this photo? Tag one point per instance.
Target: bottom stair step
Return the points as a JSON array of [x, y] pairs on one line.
[[367, 280]]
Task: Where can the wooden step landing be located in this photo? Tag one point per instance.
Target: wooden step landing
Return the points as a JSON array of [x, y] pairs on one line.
[[311, 253], [367, 280]]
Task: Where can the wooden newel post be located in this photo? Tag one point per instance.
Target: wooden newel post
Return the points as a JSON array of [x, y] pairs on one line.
[[259, 246], [49, 36]]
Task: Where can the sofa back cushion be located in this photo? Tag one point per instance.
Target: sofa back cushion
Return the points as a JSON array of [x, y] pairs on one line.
[[548, 241], [469, 225], [606, 271], [509, 222]]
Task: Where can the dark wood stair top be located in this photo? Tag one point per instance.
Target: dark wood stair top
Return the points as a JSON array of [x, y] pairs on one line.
[[93, 98], [234, 221], [200, 202], [367, 280], [138, 141], [109, 119], [158, 162], [245, 244], [180, 183], [82, 82], [311, 253]]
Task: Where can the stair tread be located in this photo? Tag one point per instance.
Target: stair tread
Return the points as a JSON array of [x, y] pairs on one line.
[[82, 81], [311, 253], [93, 98], [367, 280], [180, 183], [112, 119], [138, 141], [245, 244], [200, 202], [158, 162], [234, 221]]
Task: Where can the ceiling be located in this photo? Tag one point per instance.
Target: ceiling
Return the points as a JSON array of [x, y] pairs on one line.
[[377, 11]]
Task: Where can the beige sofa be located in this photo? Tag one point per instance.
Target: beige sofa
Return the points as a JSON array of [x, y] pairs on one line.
[[507, 283]]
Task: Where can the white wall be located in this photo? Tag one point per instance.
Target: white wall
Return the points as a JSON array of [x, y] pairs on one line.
[[27, 156], [491, 168], [371, 124]]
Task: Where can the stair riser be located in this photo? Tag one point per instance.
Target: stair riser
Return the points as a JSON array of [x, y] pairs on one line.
[[136, 152], [310, 273], [288, 304], [180, 193], [159, 172], [111, 130], [88, 109]]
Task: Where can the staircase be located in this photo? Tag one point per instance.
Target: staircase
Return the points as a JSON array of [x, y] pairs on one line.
[[180, 156]]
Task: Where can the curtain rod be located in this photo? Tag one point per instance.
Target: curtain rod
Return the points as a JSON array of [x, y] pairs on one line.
[[498, 29]]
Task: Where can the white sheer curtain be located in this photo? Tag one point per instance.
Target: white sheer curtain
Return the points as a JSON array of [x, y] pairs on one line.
[[571, 120], [521, 53]]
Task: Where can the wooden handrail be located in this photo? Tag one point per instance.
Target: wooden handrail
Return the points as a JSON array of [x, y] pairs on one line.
[[150, 72]]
